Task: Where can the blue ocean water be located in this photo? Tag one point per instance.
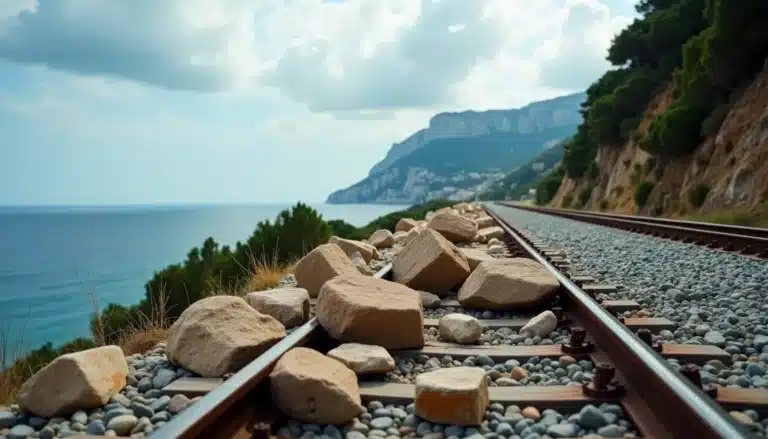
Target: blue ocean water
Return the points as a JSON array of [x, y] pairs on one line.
[[52, 258]]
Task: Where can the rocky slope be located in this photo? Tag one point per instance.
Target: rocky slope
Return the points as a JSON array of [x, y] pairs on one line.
[[460, 154]]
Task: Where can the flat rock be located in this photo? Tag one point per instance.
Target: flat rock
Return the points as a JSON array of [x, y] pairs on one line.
[[363, 358], [382, 239], [360, 264], [542, 325], [491, 232], [429, 300], [320, 265], [221, 334], [350, 246], [431, 263], [310, 387], [362, 309], [290, 306], [456, 395], [460, 328], [507, 284], [453, 226], [475, 256], [405, 224], [80, 380], [484, 221]]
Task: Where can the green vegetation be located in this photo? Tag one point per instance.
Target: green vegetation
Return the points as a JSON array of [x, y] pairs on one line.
[[388, 221], [585, 193], [547, 186], [518, 182], [757, 217], [567, 200], [642, 191], [698, 194]]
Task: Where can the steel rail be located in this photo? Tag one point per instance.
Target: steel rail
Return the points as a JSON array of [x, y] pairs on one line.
[[682, 409], [197, 417]]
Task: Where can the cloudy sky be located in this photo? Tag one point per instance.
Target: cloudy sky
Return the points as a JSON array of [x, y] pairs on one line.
[[155, 101]]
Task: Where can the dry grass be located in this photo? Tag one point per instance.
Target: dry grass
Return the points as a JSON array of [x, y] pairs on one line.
[[756, 217], [12, 349]]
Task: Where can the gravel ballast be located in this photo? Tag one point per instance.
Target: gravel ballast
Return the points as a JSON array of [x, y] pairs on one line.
[[506, 336]]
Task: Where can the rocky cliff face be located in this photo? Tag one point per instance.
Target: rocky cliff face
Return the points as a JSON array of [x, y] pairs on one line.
[[561, 111]]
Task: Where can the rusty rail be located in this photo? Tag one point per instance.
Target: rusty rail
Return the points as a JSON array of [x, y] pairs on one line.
[[670, 405], [738, 239]]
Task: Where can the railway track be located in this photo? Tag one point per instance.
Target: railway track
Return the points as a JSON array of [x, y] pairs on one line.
[[624, 367], [750, 241]]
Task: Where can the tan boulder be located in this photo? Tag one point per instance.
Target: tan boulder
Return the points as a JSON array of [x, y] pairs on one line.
[[320, 265], [491, 232], [360, 264], [80, 380], [382, 239], [405, 224], [479, 238], [290, 306], [429, 300], [350, 246], [454, 227], [356, 308], [400, 237], [221, 334], [310, 387], [484, 222], [456, 395], [460, 328], [507, 284], [540, 325], [431, 263], [475, 256], [363, 358]]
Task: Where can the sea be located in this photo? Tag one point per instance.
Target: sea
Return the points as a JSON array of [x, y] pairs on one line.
[[56, 262]]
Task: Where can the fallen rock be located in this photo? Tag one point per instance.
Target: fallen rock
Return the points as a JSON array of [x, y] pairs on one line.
[[456, 395], [382, 239], [484, 222], [400, 237], [363, 358], [429, 300], [359, 262], [495, 241], [431, 263], [362, 309], [491, 232], [405, 224], [80, 380], [310, 387], [479, 239], [350, 246], [475, 257], [320, 265], [453, 227], [541, 325], [290, 306], [221, 334], [496, 249], [460, 328], [507, 284]]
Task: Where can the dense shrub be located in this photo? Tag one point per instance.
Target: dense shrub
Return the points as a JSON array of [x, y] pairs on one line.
[[642, 192], [585, 193], [547, 186], [567, 200], [698, 194]]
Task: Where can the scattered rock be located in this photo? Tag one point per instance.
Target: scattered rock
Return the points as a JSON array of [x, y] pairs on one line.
[[484, 222], [453, 227], [400, 237], [430, 262], [460, 328], [541, 325], [491, 232], [475, 256], [507, 284], [429, 300], [531, 413], [320, 265], [350, 246], [405, 224], [80, 380], [360, 263], [123, 424], [363, 358], [21, 431], [356, 308], [495, 241], [290, 306], [310, 387], [221, 334], [457, 395], [382, 239]]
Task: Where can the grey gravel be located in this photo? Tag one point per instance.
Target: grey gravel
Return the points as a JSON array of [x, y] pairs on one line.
[[506, 336]]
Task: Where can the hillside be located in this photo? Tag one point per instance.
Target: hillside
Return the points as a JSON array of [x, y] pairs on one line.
[[460, 154], [517, 183], [680, 127]]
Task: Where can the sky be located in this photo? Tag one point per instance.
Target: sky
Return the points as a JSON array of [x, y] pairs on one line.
[[205, 101]]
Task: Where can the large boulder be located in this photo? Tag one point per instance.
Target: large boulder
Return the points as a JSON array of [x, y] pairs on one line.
[[362, 309], [484, 222], [350, 246], [363, 358], [456, 395], [290, 306], [491, 232], [320, 265], [540, 325], [431, 263], [460, 328], [429, 300], [310, 387], [221, 334], [507, 284], [80, 380], [405, 224], [360, 264], [382, 239], [475, 256], [453, 227]]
